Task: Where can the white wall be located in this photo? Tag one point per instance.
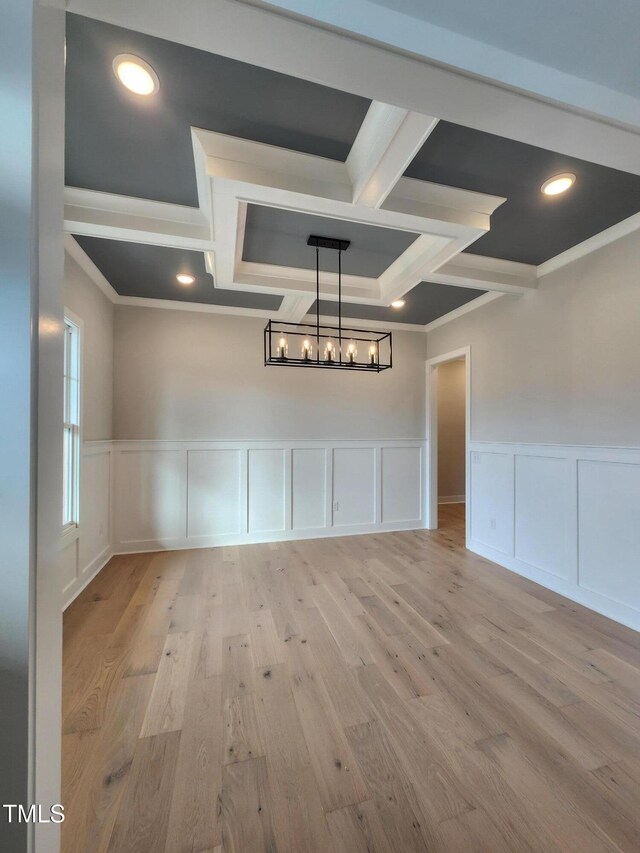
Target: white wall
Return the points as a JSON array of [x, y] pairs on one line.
[[560, 364], [96, 311], [87, 548], [451, 430], [187, 375], [555, 429]]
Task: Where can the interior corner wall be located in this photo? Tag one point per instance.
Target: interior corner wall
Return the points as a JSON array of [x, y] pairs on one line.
[[555, 429], [451, 431], [86, 549]]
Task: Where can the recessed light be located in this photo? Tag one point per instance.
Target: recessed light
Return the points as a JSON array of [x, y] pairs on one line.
[[136, 74], [558, 184], [398, 303], [185, 278]]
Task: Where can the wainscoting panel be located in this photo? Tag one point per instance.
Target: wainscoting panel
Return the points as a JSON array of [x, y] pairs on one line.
[[151, 496], [492, 499], [542, 513], [87, 547], [308, 487], [215, 492], [575, 516], [354, 486], [609, 530], [96, 511], [197, 494], [401, 483], [68, 565], [266, 490]]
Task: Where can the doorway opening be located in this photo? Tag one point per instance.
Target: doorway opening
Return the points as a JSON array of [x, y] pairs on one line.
[[448, 436]]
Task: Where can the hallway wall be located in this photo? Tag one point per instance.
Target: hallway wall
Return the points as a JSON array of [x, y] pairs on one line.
[[451, 431]]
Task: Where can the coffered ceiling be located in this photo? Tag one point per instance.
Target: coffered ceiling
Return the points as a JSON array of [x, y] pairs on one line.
[[228, 168], [118, 143], [529, 227]]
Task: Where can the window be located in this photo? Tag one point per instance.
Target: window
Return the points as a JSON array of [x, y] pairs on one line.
[[71, 452]]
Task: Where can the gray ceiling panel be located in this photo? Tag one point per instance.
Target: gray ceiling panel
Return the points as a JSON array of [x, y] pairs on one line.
[[426, 302], [120, 143], [275, 236], [137, 269], [529, 227]]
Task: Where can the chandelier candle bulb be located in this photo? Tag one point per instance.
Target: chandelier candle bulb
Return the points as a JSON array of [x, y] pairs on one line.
[[352, 352], [330, 352], [307, 350], [282, 348], [372, 355]]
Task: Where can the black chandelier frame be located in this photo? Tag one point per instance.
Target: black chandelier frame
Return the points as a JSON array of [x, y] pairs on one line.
[[379, 355]]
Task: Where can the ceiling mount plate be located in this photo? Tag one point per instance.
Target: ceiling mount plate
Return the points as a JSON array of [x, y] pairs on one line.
[[328, 243]]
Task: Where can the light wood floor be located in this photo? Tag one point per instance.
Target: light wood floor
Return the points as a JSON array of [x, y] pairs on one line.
[[386, 693]]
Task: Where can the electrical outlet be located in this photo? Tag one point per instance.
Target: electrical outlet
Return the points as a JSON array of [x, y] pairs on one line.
[[336, 506], [492, 523], [475, 458]]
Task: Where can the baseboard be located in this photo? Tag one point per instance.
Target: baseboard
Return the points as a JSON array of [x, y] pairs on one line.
[[86, 576], [594, 601], [452, 499], [188, 543]]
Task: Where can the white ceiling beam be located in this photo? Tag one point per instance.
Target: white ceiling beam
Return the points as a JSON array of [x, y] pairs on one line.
[[358, 323], [483, 273], [388, 140], [295, 307], [271, 278], [413, 266], [98, 214], [425, 199]]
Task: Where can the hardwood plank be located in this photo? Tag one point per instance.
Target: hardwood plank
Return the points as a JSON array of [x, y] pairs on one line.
[[359, 829], [165, 712], [391, 791], [193, 818], [237, 667], [242, 737], [337, 774], [338, 678], [245, 808], [142, 820], [93, 790], [266, 646]]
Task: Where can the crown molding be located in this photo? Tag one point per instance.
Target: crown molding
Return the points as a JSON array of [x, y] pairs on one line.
[[592, 244], [72, 248]]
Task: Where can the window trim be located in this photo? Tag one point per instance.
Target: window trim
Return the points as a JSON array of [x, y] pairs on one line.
[[71, 530]]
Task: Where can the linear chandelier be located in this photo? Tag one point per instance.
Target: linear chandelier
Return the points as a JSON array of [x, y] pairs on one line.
[[319, 345]]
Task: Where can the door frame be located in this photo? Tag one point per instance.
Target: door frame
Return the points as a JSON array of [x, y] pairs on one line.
[[432, 436]]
